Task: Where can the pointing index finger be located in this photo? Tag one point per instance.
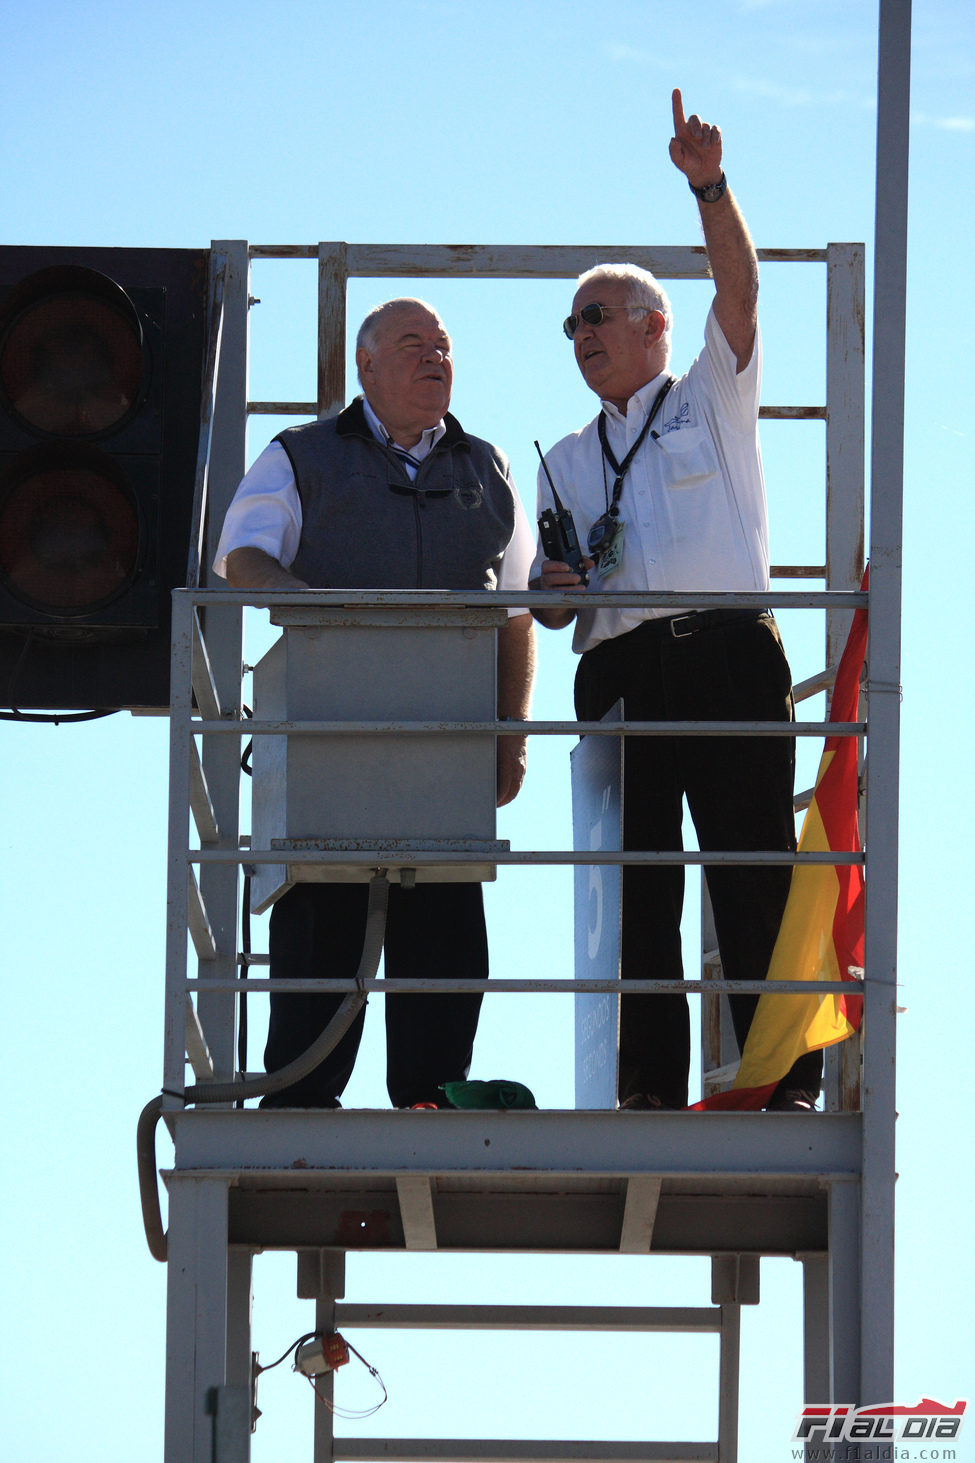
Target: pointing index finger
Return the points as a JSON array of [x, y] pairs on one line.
[[679, 121]]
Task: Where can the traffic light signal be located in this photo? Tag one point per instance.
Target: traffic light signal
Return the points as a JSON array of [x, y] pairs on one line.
[[101, 360]]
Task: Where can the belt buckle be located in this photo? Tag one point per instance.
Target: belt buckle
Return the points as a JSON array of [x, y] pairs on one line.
[[680, 619]]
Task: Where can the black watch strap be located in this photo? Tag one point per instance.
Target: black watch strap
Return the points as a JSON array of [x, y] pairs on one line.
[[711, 192]]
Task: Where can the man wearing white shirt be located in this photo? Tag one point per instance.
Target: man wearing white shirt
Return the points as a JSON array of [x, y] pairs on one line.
[[390, 494], [666, 487]]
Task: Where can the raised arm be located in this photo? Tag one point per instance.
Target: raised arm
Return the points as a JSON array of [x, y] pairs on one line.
[[695, 149]]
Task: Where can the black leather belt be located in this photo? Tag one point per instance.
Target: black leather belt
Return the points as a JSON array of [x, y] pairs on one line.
[[682, 626]]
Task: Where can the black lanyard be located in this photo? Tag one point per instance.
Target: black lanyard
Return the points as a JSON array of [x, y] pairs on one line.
[[621, 469]]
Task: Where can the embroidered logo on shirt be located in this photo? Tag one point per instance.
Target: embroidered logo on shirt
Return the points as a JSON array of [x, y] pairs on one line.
[[682, 419]]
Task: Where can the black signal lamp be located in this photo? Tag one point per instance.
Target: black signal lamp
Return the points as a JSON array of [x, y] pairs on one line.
[[101, 355]]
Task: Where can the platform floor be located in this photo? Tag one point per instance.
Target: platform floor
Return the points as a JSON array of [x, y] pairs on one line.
[[600, 1182]]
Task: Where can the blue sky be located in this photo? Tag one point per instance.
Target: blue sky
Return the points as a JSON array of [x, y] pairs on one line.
[[528, 122]]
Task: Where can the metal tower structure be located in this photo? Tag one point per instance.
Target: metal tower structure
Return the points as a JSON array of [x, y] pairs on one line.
[[731, 1186]]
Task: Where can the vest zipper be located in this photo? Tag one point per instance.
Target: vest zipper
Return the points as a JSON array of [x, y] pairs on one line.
[[419, 540]]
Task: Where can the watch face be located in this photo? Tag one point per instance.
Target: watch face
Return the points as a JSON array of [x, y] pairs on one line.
[[710, 192]]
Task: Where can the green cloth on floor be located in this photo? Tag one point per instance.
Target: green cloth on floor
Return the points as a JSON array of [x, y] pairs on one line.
[[498, 1093]]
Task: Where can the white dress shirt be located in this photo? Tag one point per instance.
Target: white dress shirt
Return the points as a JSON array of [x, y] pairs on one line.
[[693, 499]]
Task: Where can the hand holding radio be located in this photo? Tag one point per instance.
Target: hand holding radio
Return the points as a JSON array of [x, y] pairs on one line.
[[559, 538], [560, 542]]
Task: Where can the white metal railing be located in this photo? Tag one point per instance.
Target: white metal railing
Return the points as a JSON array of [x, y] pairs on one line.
[[339, 262], [197, 714]]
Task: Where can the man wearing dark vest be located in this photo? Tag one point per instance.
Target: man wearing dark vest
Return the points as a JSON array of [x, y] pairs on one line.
[[390, 494]]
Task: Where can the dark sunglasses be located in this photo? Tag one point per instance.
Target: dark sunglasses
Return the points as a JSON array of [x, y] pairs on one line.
[[593, 315]]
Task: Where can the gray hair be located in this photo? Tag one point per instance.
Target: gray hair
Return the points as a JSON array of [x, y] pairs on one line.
[[370, 329], [644, 290]]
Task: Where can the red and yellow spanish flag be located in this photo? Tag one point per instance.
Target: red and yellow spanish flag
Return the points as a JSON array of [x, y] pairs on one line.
[[821, 935]]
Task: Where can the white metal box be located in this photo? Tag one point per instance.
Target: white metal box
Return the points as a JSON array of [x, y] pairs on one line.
[[392, 791]]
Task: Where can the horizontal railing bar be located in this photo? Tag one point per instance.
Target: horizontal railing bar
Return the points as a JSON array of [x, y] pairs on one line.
[[366, 857], [557, 986], [520, 261], [254, 727], [518, 1450], [499, 261], [529, 1318], [282, 251], [515, 261], [812, 685], [282, 408], [794, 413], [484, 599], [310, 409]]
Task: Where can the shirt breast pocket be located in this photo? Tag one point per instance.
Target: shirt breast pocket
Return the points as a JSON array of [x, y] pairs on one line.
[[688, 457]]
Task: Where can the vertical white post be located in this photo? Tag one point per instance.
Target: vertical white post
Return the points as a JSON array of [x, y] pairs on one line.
[[844, 432], [815, 1327], [846, 1267], [321, 1275], [196, 1315], [887, 482], [333, 278], [729, 1368]]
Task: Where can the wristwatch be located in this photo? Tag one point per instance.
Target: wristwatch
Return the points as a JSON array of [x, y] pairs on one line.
[[711, 192]]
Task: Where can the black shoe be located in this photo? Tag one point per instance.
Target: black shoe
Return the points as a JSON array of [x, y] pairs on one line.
[[646, 1102], [792, 1099], [285, 1099]]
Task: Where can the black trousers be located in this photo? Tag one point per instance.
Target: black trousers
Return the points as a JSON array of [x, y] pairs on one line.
[[740, 794], [432, 931]]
